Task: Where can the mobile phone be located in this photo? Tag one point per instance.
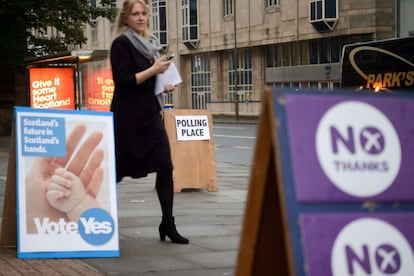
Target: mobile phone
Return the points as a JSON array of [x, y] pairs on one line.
[[170, 57]]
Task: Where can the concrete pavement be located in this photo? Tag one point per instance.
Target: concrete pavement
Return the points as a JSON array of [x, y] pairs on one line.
[[211, 220]]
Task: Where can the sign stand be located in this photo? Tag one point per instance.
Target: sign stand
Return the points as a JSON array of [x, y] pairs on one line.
[[30, 227], [193, 160], [8, 236], [264, 246], [331, 186]]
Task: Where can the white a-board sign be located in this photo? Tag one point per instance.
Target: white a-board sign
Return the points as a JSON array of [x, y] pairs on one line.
[[65, 176]]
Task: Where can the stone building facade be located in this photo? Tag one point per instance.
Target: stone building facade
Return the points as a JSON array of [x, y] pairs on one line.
[[227, 51]]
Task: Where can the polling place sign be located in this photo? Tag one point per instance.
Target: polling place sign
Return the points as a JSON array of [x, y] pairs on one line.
[[66, 196], [192, 127]]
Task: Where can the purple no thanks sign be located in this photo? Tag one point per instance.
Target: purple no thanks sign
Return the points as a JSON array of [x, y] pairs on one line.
[[351, 148], [356, 244]]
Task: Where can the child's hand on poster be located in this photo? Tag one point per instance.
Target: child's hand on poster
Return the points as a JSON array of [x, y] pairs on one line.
[[65, 190], [67, 193]]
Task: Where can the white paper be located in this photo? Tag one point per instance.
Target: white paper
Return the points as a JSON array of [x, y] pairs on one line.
[[170, 76]]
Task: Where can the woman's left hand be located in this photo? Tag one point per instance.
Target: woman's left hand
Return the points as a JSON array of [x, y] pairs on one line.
[[169, 88]]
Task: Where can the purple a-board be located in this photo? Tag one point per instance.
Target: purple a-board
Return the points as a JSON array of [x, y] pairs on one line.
[[360, 144], [347, 177], [358, 244]]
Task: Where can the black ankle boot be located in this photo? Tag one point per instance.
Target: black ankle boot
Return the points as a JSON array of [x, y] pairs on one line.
[[167, 228]]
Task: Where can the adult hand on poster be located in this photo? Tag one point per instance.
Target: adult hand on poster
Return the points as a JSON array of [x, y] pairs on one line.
[[85, 164]]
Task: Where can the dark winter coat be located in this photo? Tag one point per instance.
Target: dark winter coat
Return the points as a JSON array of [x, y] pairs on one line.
[[141, 143]]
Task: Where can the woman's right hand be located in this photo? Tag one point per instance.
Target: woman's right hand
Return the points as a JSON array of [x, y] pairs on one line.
[[161, 65], [158, 67]]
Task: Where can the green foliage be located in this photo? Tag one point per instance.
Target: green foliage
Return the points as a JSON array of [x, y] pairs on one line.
[[24, 24]]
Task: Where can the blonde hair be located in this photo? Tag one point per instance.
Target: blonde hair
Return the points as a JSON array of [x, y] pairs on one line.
[[125, 11]]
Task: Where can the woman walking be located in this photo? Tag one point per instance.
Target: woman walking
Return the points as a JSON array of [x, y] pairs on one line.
[[141, 141]]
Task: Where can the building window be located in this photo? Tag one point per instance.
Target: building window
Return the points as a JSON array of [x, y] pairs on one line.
[[272, 3], [405, 18], [286, 54], [323, 14], [324, 51], [271, 56], [92, 20], [321, 85], [200, 81], [316, 10], [190, 23], [313, 52], [304, 52], [295, 51], [240, 76], [317, 51], [228, 7], [168, 98], [159, 21], [111, 4], [94, 35]]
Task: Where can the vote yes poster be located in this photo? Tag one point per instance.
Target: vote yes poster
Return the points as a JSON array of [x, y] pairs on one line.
[[66, 192]]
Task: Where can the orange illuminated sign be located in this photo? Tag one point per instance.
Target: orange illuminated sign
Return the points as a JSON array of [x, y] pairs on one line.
[[52, 88], [98, 89]]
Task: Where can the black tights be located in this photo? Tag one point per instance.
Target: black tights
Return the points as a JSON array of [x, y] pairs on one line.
[[165, 190]]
